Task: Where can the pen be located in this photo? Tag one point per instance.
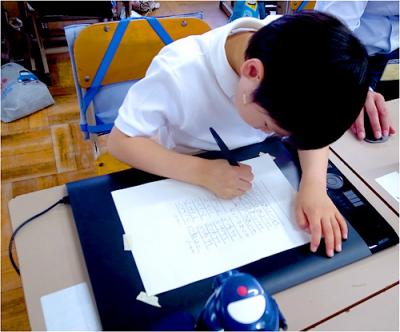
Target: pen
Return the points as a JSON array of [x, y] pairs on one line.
[[224, 149]]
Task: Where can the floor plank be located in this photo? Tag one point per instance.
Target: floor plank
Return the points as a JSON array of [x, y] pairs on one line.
[[84, 150], [10, 280], [17, 126], [26, 165], [65, 110], [34, 184], [13, 309], [39, 119], [63, 148], [6, 231], [64, 178], [28, 142]]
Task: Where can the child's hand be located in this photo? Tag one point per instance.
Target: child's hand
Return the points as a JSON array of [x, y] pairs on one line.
[[316, 213], [227, 181]]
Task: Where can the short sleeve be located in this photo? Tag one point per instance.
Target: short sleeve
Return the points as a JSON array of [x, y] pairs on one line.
[[151, 105]]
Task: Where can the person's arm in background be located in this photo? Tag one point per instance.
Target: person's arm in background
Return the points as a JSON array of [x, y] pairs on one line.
[[377, 112], [315, 212], [350, 13]]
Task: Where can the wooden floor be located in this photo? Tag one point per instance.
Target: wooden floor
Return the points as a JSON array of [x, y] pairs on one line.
[[46, 149]]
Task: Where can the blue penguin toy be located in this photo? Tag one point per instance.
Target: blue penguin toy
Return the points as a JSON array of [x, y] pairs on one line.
[[239, 303]]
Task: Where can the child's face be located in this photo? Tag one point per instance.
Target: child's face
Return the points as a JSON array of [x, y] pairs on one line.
[[251, 74], [258, 118], [255, 115]]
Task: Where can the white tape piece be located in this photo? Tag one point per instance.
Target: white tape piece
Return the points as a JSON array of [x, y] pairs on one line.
[[127, 239], [152, 300], [263, 153]]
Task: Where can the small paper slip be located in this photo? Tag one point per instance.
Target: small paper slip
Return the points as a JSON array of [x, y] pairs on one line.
[[180, 233], [390, 182], [70, 309]]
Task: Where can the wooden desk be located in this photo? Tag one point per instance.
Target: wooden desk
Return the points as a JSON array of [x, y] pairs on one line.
[[370, 161], [51, 259], [355, 318]]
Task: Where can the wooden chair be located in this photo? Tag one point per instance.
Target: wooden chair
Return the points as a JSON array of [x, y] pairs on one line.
[[108, 80]]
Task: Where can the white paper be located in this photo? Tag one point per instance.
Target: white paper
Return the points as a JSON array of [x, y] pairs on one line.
[[180, 233], [390, 182], [70, 309]]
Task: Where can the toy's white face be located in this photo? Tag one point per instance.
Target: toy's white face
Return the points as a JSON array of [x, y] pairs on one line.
[[257, 117]]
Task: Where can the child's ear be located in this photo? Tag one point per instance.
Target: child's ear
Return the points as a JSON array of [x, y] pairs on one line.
[[252, 69]]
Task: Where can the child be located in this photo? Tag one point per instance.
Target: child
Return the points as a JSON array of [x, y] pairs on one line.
[[302, 75]]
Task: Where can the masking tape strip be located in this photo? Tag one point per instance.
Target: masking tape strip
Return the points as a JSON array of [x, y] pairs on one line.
[[127, 239], [151, 300], [263, 153]]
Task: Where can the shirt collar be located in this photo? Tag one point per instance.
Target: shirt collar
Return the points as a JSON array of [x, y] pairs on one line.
[[225, 75]]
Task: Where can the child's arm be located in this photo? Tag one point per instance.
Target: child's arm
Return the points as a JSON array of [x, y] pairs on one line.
[[315, 211], [216, 175]]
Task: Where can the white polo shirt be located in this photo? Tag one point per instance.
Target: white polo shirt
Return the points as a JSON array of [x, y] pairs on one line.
[[188, 88]]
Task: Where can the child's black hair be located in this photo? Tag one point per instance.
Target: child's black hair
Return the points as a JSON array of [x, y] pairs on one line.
[[315, 80]]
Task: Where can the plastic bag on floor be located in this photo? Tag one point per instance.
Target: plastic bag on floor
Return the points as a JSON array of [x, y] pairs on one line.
[[21, 93]]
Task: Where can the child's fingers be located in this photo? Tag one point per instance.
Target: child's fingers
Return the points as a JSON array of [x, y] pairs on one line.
[[245, 172], [337, 234], [353, 129], [383, 114], [315, 227], [372, 113], [244, 186], [301, 219], [328, 236], [359, 125], [342, 224]]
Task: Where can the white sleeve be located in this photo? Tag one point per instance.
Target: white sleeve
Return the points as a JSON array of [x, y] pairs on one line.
[[349, 12], [152, 104]]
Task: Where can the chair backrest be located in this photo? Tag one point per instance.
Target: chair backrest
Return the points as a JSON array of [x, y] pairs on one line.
[[107, 58]]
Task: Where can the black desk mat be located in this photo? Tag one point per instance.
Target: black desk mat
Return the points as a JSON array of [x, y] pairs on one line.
[[116, 281]]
